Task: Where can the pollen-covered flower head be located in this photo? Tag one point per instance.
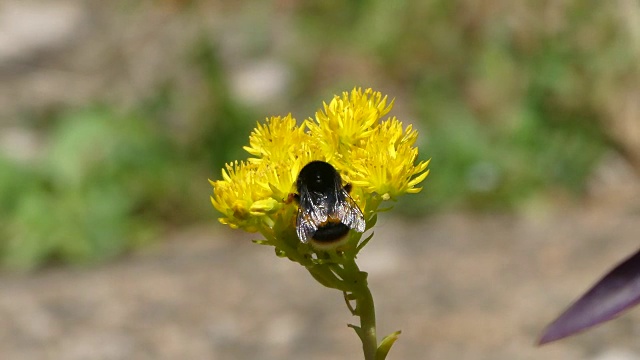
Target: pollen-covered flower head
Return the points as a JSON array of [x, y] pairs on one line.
[[385, 162], [376, 156], [348, 120]]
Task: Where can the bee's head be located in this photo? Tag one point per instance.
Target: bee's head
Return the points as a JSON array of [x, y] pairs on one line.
[[317, 176]]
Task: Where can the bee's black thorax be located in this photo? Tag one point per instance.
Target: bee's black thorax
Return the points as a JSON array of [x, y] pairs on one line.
[[318, 177]]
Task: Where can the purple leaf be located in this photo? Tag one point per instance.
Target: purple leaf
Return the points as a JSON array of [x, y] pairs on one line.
[[618, 291]]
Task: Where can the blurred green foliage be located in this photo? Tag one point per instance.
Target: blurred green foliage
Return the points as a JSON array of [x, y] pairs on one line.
[[102, 183], [511, 97], [111, 181], [510, 100]]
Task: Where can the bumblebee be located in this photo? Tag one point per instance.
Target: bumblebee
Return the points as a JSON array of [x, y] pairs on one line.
[[326, 212]]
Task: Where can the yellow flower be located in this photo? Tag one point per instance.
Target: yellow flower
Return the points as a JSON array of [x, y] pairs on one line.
[[384, 163], [251, 192], [376, 157], [236, 193], [281, 148], [279, 139], [347, 120]]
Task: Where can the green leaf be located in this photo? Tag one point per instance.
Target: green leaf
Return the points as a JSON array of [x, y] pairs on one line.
[[358, 331], [372, 221], [385, 345], [364, 242]]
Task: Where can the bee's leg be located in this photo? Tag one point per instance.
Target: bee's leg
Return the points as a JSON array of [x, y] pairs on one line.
[[291, 198]]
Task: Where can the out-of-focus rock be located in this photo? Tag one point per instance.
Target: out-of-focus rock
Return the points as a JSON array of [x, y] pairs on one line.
[[29, 28]]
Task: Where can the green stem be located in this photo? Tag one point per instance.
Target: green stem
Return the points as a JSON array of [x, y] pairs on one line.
[[343, 273], [367, 312], [365, 309]]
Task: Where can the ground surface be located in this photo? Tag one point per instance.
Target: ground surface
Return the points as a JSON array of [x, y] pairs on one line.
[[458, 286]]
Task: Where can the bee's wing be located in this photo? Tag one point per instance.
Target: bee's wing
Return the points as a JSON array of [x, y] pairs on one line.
[[305, 226], [348, 212], [310, 216]]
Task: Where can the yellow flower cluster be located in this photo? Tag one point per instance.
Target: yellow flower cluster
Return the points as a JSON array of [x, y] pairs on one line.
[[376, 156]]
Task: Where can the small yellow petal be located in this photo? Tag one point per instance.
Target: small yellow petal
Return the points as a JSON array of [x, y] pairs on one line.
[[263, 207]]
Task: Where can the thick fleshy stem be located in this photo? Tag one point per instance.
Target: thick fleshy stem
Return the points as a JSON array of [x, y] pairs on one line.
[[358, 290], [338, 270], [367, 314]]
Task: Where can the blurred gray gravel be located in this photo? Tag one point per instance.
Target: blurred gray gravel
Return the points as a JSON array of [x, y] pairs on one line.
[[459, 286]]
